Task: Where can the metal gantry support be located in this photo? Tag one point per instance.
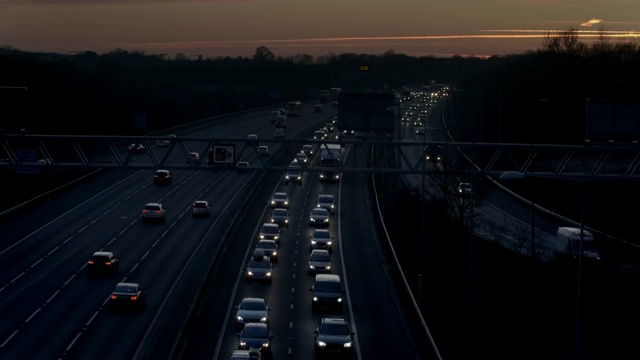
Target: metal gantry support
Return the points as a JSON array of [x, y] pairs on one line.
[[599, 160]]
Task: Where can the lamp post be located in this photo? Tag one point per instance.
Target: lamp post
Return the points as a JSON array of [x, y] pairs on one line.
[[578, 319]]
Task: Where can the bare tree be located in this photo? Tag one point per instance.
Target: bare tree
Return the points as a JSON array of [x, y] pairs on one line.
[[603, 45], [551, 43], [570, 41]]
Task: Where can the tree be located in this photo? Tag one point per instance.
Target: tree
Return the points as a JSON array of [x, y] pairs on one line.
[[264, 54]]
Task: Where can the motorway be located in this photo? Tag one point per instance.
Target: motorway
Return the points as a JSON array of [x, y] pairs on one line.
[[48, 299]]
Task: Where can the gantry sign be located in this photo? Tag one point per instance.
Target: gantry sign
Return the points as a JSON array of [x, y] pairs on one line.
[[32, 153]]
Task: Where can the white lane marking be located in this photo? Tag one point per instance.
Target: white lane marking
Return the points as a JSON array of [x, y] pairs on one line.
[[52, 296], [73, 342], [32, 315], [9, 338]]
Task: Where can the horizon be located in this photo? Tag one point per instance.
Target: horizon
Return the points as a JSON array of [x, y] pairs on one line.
[[234, 28]]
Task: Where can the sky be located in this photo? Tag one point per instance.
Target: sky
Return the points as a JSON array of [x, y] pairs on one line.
[[221, 28]]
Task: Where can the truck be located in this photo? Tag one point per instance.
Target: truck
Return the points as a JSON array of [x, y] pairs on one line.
[[330, 156], [294, 108], [334, 94], [281, 121], [324, 96], [568, 243]]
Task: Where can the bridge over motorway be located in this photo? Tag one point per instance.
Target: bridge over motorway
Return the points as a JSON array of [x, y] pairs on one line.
[[26, 152]]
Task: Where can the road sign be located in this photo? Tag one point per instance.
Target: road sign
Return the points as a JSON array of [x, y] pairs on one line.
[[224, 154], [26, 155]]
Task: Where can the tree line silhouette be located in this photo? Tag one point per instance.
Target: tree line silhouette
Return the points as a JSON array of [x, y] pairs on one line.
[[131, 93]]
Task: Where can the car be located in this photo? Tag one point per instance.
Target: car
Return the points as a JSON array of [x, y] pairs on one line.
[[165, 142], [154, 212], [252, 310], [255, 337], [194, 157], [253, 139], [162, 177], [128, 294], [432, 153], [103, 262], [335, 119], [282, 111], [278, 133], [273, 115], [280, 216], [418, 122], [259, 267], [329, 126], [327, 292], [464, 188], [319, 217], [269, 247], [245, 355], [319, 135], [242, 166], [333, 336], [321, 239], [326, 201], [280, 199], [317, 108], [301, 158], [307, 149], [293, 176], [264, 150], [269, 231], [420, 131], [136, 149], [200, 208], [319, 261]]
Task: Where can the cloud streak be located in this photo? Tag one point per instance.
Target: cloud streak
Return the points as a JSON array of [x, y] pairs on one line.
[[591, 22]]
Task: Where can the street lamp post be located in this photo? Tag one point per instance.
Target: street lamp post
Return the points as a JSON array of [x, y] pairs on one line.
[[578, 320]]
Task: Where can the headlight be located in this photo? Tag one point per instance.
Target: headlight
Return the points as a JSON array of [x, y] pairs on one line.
[[264, 319], [240, 318], [261, 236], [328, 267], [347, 344], [249, 273], [340, 300], [266, 344], [328, 242], [326, 220], [311, 267], [269, 274], [243, 343], [287, 177], [315, 298], [286, 203], [322, 343], [273, 202], [313, 242]]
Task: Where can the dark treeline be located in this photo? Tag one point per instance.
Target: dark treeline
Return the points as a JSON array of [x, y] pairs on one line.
[[90, 93]]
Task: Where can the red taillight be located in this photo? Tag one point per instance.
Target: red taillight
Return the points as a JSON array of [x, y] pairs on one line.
[[90, 262], [134, 297], [144, 211], [113, 297], [108, 263], [158, 212]]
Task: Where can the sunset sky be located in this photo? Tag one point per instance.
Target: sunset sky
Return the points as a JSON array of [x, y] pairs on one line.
[[213, 28]]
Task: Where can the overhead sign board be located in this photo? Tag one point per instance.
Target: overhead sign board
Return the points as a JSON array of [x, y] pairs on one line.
[[613, 119], [366, 111], [26, 155]]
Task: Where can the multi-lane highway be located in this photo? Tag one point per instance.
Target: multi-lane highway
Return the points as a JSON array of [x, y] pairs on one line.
[[51, 307]]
